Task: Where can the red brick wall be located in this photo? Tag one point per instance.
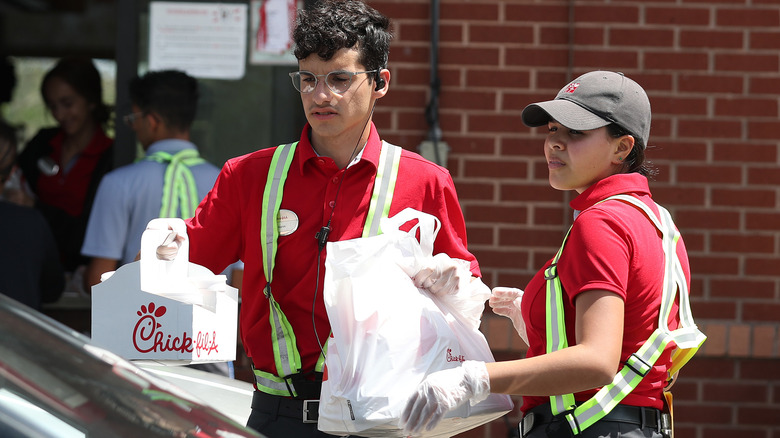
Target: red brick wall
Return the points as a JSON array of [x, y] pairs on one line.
[[712, 71]]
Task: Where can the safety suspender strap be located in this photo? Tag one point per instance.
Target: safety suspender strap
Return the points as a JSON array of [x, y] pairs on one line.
[[555, 327], [180, 193], [286, 356], [272, 201], [687, 337], [384, 185]]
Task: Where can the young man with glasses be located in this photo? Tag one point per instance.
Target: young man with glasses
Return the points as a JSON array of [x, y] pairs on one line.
[[164, 104], [169, 181], [325, 191]]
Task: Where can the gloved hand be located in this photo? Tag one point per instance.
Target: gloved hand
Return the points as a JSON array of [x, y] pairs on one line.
[[169, 248], [505, 301], [442, 275], [442, 392]]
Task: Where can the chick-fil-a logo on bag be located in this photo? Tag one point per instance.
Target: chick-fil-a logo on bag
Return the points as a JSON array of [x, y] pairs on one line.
[[150, 336], [456, 358]]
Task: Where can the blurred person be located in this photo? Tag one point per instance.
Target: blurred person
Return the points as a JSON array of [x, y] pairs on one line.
[[13, 175], [7, 79], [604, 318], [164, 105], [30, 269], [169, 181], [331, 173], [63, 165]]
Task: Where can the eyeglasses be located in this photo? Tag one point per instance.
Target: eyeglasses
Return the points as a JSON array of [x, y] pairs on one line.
[[338, 81], [131, 118]]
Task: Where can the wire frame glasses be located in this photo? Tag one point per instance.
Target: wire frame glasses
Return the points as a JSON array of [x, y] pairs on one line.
[[337, 81], [131, 118]]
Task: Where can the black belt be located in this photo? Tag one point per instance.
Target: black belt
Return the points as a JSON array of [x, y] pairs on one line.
[[304, 410], [642, 416]]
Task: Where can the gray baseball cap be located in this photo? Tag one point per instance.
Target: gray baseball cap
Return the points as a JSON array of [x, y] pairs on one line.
[[594, 100]]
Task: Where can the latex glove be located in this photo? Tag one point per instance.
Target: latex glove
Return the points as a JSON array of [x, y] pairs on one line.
[[505, 301], [169, 248], [442, 392], [442, 275]]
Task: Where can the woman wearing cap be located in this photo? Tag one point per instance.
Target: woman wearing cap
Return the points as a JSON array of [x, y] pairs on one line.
[[611, 272]]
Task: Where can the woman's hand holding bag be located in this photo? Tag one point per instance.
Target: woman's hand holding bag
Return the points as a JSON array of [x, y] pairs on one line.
[[505, 301]]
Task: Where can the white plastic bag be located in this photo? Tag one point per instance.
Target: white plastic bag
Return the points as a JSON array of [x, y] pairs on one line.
[[387, 334]]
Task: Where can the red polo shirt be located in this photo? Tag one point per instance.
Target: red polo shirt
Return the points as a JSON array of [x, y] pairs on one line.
[[67, 189], [614, 247], [226, 228]]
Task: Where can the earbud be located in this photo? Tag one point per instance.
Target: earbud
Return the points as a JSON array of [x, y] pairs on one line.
[[380, 82]]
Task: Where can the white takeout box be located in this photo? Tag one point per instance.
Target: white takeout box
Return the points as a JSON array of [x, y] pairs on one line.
[[166, 310]]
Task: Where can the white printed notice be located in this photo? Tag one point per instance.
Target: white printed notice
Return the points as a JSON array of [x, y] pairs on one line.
[[271, 25], [206, 40]]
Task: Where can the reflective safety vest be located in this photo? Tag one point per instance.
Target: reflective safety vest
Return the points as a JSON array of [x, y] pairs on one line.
[[180, 193], [286, 355], [687, 337]]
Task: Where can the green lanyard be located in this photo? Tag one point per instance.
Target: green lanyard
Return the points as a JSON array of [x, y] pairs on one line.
[[286, 356], [180, 193], [687, 337]]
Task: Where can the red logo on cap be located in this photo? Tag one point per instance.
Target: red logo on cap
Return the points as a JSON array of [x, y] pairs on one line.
[[571, 87]]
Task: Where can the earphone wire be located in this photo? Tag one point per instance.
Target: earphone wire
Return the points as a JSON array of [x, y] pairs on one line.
[[322, 235]]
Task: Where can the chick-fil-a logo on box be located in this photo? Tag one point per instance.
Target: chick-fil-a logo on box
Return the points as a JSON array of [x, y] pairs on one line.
[[150, 336]]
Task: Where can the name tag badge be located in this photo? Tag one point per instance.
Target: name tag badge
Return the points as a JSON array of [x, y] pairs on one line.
[[288, 222]]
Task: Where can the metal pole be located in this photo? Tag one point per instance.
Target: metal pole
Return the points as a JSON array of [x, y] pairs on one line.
[[433, 107], [126, 68]]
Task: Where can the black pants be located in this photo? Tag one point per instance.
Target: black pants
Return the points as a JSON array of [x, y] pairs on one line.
[[281, 417], [623, 422]]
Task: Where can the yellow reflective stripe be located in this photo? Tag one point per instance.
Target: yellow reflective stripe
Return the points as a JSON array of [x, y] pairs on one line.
[[384, 186], [556, 324], [271, 384], [272, 201], [169, 187], [556, 329], [629, 376], [320, 365], [180, 193], [286, 356], [687, 338], [192, 188]]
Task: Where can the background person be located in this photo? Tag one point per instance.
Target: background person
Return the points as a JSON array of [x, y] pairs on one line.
[[7, 81], [63, 165], [164, 106], [169, 181], [30, 269], [13, 178], [611, 270], [342, 49]]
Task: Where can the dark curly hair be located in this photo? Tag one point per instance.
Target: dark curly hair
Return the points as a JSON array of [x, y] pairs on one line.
[[332, 25], [171, 94], [83, 76]]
